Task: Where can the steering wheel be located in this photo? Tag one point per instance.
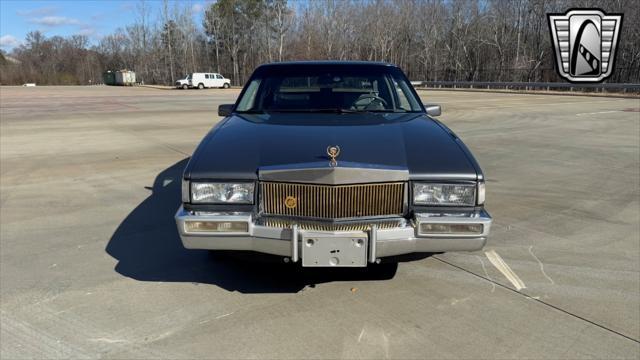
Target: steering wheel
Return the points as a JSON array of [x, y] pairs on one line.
[[358, 105]]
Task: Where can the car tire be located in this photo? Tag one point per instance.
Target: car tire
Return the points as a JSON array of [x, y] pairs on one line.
[[201, 86], [185, 86], [226, 86]]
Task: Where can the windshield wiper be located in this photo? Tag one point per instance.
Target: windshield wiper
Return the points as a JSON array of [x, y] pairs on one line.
[[322, 110], [250, 112], [382, 111], [325, 110]]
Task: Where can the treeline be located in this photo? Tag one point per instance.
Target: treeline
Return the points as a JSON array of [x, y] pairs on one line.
[[466, 40]]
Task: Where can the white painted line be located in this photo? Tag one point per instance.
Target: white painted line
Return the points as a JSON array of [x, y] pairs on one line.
[[599, 112], [221, 316], [493, 289], [502, 266], [541, 265], [108, 341]]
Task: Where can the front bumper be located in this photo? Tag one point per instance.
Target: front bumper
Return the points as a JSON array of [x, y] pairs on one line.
[[285, 241]]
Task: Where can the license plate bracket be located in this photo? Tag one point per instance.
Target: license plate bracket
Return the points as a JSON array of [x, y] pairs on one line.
[[334, 250]]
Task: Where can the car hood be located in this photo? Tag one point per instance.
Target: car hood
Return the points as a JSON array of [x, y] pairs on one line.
[[242, 146]]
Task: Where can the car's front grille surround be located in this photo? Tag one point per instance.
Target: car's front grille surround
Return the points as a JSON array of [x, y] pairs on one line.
[[333, 201], [332, 226]]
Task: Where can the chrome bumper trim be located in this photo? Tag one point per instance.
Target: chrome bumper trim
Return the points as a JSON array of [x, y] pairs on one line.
[[383, 242], [294, 243], [373, 240]]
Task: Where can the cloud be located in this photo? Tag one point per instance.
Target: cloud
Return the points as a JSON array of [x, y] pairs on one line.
[[41, 11], [197, 8], [55, 21], [88, 31], [9, 41]]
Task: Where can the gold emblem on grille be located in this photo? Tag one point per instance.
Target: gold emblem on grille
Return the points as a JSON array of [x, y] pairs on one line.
[[290, 202], [333, 151]]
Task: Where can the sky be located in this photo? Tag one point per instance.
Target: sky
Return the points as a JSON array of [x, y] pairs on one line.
[[93, 18]]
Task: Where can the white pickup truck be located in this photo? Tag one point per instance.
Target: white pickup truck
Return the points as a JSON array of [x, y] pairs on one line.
[[203, 80]]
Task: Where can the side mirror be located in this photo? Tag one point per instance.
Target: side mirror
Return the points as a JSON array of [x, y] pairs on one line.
[[434, 110], [225, 109]]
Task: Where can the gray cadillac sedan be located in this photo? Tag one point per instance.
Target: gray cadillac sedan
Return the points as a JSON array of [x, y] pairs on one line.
[[332, 164]]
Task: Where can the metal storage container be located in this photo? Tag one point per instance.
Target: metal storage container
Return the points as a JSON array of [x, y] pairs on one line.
[[109, 78], [125, 77]]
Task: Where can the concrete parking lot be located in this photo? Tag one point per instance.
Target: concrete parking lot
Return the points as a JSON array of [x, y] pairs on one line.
[[91, 264]]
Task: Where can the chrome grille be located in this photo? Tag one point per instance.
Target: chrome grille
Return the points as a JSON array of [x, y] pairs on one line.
[[333, 202]]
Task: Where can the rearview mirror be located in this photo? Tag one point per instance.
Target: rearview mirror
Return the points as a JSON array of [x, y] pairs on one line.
[[225, 109], [434, 110]]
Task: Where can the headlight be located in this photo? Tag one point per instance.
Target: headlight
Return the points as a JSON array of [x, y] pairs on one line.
[[444, 194], [222, 193]]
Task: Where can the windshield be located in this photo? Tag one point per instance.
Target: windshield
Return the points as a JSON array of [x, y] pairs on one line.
[[346, 88]]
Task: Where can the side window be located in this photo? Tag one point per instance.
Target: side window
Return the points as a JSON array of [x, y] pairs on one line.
[[405, 98], [218, 76], [248, 100], [206, 76], [402, 97]]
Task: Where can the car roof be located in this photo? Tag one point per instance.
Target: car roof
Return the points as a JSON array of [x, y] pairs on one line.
[[327, 62]]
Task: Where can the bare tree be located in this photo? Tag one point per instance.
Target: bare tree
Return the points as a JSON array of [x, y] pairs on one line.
[[282, 20], [169, 30]]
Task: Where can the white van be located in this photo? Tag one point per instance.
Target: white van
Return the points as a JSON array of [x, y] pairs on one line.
[[208, 80], [183, 83]]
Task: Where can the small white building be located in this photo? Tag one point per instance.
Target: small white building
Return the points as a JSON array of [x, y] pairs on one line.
[[125, 77]]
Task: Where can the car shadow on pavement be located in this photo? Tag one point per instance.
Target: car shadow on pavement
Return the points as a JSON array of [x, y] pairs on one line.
[[148, 248]]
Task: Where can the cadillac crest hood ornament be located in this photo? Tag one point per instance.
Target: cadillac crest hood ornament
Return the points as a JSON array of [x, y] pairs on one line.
[[333, 151]]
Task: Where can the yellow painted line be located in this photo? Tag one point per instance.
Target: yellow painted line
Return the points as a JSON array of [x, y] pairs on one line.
[[502, 266]]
